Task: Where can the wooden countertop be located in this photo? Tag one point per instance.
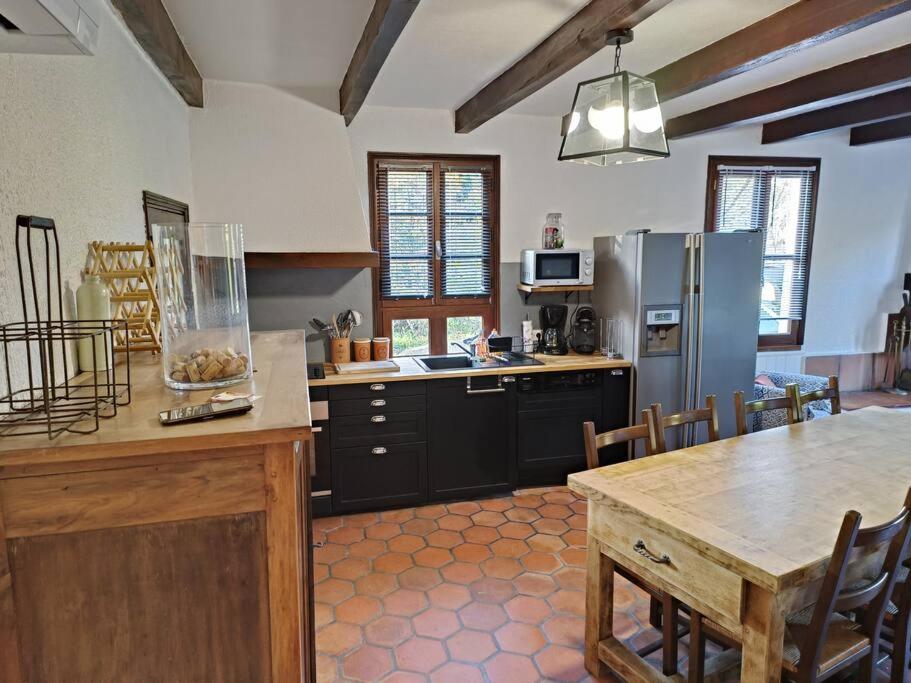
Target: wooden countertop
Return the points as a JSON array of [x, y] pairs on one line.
[[281, 414], [410, 370]]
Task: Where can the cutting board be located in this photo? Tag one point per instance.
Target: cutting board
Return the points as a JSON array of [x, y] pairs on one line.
[[367, 366]]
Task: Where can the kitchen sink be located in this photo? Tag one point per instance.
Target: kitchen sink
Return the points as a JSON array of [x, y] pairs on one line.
[[438, 363]]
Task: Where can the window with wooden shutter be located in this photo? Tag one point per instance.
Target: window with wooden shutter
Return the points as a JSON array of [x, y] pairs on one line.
[[436, 227], [777, 196]]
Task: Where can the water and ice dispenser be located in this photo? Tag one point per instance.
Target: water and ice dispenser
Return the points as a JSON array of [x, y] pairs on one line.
[[661, 336]]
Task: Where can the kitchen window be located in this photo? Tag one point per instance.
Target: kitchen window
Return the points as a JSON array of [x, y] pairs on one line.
[[436, 227], [778, 196]]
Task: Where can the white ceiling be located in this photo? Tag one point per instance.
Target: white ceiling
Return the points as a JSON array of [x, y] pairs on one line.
[[450, 49]]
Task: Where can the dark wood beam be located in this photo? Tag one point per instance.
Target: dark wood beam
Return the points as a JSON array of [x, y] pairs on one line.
[[796, 27], [312, 259], [886, 105], [383, 28], [894, 129], [150, 23], [575, 41], [883, 68]]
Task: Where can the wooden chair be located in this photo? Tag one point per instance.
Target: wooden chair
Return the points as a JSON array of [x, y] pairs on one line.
[[661, 422], [819, 640], [790, 403], [897, 626], [663, 609], [831, 394]]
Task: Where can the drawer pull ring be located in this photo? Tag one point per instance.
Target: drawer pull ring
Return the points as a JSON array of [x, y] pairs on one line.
[[642, 550], [377, 387], [378, 402], [378, 418], [379, 450]]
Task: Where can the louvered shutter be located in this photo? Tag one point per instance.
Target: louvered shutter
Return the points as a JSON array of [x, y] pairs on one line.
[[404, 214], [778, 201], [466, 231]]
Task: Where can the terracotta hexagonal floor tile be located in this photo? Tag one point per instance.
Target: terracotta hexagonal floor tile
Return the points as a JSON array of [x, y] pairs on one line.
[[463, 508], [526, 609], [528, 500], [568, 601], [337, 638], [571, 577], [320, 572], [482, 535], [350, 568], [367, 663], [518, 530], [510, 668], [393, 563], [501, 568], [546, 543], [404, 677], [471, 646], [333, 591], [509, 547], [578, 522], [369, 547], [406, 543], [574, 557], [419, 526], [326, 668], [560, 663], [580, 507], [492, 590], [624, 625], [329, 553], [322, 614], [362, 519], [449, 596], [497, 504], [518, 514], [436, 623], [430, 511], [388, 631], [397, 516], [560, 497], [461, 572], [358, 610], [482, 616], [576, 538], [624, 596], [545, 563], [488, 518], [432, 557], [554, 511], [565, 629], [445, 538], [422, 655], [538, 585], [382, 530], [375, 584], [324, 524], [346, 535], [454, 522], [523, 639], [420, 578], [471, 552], [404, 602], [454, 672], [547, 525]]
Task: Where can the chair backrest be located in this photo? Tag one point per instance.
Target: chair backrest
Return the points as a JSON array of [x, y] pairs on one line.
[[790, 403], [709, 415], [873, 594], [595, 442], [830, 394]]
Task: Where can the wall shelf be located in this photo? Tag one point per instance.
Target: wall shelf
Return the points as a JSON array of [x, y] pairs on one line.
[[565, 290], [312, 259]]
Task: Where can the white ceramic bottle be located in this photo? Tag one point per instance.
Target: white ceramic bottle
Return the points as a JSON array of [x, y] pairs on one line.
[[93, 302]]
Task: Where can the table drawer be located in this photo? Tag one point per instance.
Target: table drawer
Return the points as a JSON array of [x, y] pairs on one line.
[[378, 389], [378, 404], [695, 579], [380, 429]]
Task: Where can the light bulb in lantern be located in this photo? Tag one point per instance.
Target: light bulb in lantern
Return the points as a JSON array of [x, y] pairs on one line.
[[646, 120], [574, 122], [608, 121]]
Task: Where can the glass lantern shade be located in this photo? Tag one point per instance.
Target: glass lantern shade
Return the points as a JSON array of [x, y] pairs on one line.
[[615, 119]]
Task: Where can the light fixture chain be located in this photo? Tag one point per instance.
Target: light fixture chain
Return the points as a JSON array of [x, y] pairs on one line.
[[617, 57]]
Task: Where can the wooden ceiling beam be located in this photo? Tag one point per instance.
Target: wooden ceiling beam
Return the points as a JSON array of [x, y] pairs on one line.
[[795, 28], [584, 34], [894, 129], [883, 68], [384, 26], [152, 26], [876, 108]]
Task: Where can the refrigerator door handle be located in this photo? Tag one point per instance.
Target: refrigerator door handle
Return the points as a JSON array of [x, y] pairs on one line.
[[699, 321], [687, 403]]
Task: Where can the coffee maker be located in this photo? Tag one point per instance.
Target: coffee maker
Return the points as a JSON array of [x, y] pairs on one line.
[[583, 330], [553, 325]]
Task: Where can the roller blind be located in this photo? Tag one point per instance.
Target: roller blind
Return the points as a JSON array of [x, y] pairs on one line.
[[778, 201], [466, 232]]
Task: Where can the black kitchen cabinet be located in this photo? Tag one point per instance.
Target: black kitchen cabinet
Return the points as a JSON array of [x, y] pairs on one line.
[[472, 436], [374, 477], [376, 429], [616, 385]]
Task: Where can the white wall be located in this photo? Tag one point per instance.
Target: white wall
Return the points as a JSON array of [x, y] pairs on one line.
[[863, 219], [80, 139]]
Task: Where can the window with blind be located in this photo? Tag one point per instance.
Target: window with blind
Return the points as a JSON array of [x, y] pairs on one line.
[[777, 196], [436, 228]]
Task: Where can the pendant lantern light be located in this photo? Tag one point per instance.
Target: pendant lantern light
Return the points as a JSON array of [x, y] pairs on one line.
[[615, 119]]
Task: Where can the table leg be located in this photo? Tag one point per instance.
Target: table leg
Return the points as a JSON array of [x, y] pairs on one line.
[[763, 637], [599, 605]]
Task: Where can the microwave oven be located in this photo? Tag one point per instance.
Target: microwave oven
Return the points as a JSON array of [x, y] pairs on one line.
[[543, 267]]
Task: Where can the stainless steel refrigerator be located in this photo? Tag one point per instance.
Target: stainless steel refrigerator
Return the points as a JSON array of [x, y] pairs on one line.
[[690, 310]]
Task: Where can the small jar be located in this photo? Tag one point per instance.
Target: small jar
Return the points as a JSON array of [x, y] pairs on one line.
[[553, 231]]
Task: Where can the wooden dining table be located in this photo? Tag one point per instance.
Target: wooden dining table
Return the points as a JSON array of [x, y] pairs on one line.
[[740, 530]]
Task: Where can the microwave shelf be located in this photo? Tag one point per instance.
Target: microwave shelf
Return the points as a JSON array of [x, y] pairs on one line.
[[566, 290]]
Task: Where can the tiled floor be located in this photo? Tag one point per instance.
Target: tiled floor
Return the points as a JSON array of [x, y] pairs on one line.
[[491, 590]]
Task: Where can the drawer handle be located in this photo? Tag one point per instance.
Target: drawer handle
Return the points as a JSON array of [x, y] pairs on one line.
[[378, 402], [377, 387], [378, 418], [379, 450], [499, 389], [642, 550]]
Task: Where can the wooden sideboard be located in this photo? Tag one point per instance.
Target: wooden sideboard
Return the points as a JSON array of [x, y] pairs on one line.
[[150, 553]]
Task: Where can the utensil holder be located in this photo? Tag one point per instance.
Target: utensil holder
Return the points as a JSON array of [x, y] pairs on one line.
[[340, 350]]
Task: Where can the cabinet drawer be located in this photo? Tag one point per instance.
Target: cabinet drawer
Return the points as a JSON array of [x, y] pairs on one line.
[[377, 404], [381, 429], [697, 580], [377, 390], [379, 476]]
